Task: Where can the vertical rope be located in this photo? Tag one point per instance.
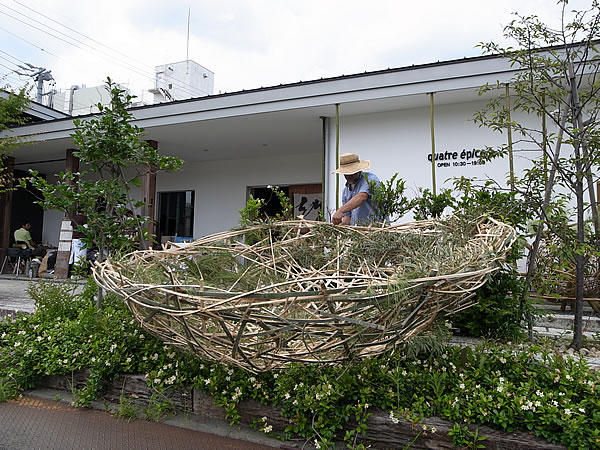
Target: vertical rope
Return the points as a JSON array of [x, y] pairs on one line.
[[432, 128], [510, 141], [337, 155], [324, 162]]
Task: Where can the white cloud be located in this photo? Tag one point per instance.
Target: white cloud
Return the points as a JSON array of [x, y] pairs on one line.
[[256, 43]]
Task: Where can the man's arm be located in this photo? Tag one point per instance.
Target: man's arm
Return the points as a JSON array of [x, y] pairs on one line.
[[338, 216]]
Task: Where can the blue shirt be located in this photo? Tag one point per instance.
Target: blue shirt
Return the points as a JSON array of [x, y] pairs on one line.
[[365, 213]]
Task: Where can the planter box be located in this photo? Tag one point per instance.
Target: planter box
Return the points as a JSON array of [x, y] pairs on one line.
[[381, 432]]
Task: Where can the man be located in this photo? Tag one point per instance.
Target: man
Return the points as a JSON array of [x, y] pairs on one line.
[[23, 235], [357, 207]]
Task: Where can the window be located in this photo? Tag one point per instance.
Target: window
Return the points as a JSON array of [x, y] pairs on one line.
[[176, 214]]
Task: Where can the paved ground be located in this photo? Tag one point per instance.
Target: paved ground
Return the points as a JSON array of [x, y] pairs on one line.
[[32, 422], [13, 294], [38, 421]]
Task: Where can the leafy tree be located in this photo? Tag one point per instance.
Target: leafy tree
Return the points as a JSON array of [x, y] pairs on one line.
[[431, 206], [116, 156], [389, 201], [557, 80], [12, 110]]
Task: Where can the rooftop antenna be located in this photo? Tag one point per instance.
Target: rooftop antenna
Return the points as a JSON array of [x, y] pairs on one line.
[[187, 49]]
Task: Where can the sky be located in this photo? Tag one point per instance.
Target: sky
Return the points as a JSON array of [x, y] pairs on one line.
[[247, 43]]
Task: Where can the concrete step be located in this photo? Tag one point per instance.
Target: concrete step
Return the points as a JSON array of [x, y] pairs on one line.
[[560, 333], [555, 307], [565, 321]]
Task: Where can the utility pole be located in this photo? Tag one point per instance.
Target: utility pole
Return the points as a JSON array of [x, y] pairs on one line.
[[39, 75]]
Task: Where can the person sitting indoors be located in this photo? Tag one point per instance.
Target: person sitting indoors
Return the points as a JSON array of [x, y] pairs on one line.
[[23, 238]]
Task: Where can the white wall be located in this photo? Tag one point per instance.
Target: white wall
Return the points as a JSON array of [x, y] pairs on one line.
[[400, 142], [221, 186]]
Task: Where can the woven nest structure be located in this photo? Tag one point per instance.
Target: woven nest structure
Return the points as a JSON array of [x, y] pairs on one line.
[[298, 291]]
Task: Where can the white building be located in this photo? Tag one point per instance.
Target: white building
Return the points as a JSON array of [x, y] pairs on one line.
[[182, 80], [79, 100], [237, 143]]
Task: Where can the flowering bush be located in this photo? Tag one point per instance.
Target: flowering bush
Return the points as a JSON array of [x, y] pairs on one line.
[[509, 387]]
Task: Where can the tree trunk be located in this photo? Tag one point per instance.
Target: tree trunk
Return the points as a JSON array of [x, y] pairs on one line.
[[587, 165], [579, 266], [580, 175], [532, 257]]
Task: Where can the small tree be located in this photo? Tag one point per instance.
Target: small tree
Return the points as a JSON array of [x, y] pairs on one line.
[[557, 80], [114, 153], [389, 201], [12, 109]]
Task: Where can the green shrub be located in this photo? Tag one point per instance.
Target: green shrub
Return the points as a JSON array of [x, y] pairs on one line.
[[509, 388], [54, 300]]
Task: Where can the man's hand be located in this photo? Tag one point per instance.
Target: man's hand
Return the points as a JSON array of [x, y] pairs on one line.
[[337, 217]]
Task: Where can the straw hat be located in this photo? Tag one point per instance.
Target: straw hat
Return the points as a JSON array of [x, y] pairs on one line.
[[350, 163]]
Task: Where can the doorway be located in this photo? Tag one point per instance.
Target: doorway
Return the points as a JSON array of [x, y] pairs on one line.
[[305, 198]]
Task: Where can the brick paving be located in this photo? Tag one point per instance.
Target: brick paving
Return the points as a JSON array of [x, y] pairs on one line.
[[35, 423]]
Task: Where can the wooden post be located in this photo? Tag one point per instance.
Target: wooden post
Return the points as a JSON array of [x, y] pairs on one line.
[[6, 202], [8, 167], [149, 196], [61, 268]]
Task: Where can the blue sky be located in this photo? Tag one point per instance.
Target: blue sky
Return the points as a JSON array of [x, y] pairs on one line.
[[249, 43]]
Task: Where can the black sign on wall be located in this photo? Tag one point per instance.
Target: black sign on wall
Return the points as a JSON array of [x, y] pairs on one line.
[[461, 158]]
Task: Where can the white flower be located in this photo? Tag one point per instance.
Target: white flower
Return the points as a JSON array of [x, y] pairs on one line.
[[500, 388], [157, 381], [39, 338], [539, 393], [107, 363], [268, 428], [21, 332], [404, 373], [461, 385], [568, 377], [295, 403], [568, 412], [207, 381], [93, 359], [555, 403], [154, 357], [17, 344], [317, 445], [3, 335], [287, 396], [128, 360], [582, 411]]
